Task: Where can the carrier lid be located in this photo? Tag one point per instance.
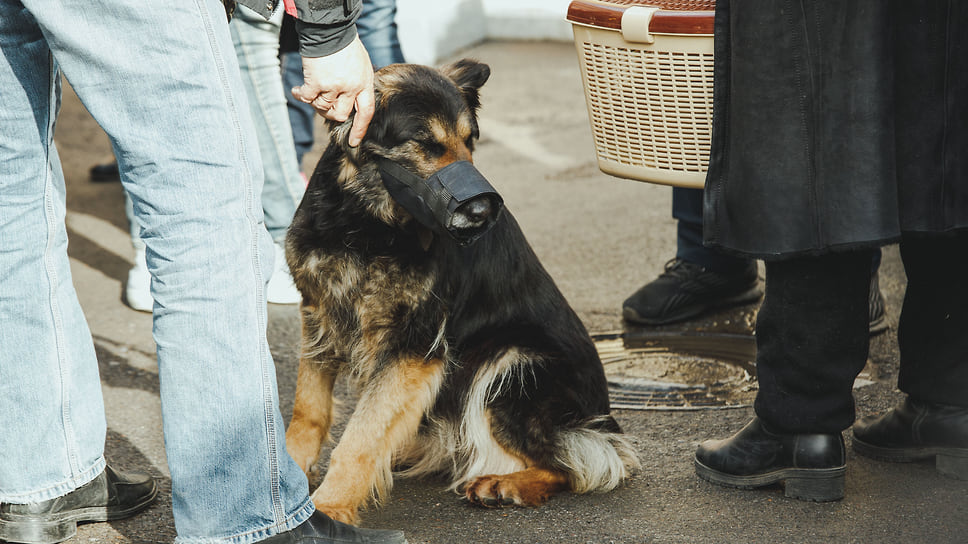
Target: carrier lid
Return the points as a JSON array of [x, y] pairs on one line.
[[662, 16]]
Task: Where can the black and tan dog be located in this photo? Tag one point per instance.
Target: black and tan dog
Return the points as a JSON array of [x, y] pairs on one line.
[[468, 359]]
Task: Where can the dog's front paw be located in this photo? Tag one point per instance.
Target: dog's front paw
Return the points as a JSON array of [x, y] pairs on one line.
[[341, 513]]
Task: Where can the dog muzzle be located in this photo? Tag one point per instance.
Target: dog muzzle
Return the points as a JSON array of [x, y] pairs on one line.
[[456, 200]]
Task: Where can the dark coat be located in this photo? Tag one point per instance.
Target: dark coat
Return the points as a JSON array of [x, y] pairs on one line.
[[837, 124]]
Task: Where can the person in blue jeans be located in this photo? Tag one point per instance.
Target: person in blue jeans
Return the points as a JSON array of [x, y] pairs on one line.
[[163, 81], [700, 279], [256, 42], [378, 31]]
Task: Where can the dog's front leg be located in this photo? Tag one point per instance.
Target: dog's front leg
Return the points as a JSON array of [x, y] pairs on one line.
[[312, 413], [386, 418]]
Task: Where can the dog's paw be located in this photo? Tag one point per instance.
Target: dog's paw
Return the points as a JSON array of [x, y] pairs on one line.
[[341, 513], [500, 491]]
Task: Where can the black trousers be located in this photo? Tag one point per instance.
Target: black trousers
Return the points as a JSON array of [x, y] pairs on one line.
[[812, 332]]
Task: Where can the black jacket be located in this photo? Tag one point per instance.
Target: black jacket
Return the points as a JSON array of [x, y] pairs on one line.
[[324, 26], [837, 124]]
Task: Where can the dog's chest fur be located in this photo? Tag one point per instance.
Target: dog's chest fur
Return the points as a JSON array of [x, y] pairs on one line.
[[370, 305]]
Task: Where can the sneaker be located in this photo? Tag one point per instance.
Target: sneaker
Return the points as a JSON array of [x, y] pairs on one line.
[[878, 321], [686, 290], [281, 289], [137, 292], [111, 496], [320, 529], [105, 172]]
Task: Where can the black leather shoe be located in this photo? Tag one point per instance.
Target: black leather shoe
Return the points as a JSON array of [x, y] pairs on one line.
[[811, 466], [110, 496], [105, 172], [320, 529], [686, 290], [917, 430]]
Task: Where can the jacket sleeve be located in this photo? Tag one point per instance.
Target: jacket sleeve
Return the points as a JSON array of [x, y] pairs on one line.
[[325, 26]]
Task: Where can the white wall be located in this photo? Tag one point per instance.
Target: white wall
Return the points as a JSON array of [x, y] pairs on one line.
[[433, 29]]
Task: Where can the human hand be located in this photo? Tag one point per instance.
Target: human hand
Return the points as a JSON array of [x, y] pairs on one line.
[[337, 84]]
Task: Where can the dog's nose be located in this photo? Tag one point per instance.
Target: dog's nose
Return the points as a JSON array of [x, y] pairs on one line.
[[478, 210]]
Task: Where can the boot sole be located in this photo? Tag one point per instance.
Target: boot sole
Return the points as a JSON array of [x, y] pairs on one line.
[[746, 297], [806, 484], [951, 462], [50, 529]]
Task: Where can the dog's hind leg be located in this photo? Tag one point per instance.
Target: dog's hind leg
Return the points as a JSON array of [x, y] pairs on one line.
[[312, 413], [387, 418]]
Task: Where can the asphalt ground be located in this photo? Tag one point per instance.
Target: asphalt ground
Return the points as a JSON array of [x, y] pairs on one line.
[[600, 238]]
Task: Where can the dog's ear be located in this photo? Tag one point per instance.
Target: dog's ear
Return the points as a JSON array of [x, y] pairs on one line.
[[469, 76], [340, 132]]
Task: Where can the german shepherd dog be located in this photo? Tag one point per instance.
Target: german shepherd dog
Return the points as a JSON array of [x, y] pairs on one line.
[[468, 360]]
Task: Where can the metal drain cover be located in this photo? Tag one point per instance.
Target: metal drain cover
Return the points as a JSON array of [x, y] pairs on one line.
[[678, 371]]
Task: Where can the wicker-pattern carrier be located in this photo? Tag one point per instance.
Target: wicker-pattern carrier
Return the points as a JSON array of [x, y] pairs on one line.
[[647, 68]]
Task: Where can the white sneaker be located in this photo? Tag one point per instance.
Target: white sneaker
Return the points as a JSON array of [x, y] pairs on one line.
[[281, 289], [137, 294]]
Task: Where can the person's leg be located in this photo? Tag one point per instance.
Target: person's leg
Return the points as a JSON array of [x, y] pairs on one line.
[[53, 472], [301, 114], [933, 420], [256, 43], [176, 112], [50, 392], [377, 27], [698, 280], [812, 341]]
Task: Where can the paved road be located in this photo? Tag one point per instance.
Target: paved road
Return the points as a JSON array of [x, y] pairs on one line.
[[600, 238]]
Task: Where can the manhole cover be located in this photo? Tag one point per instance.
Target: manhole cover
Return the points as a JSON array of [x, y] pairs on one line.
[[678, 370]]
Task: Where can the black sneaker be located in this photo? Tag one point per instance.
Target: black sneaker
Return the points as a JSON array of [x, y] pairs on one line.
[[110, 496], [687, 290], [878, 321], [105, 172], [321, 529]]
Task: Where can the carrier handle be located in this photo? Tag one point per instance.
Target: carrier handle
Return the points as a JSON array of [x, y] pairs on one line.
[[635, 24]]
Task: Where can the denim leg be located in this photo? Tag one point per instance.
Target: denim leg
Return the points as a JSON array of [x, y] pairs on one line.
[[257, 47], [163, 82], [52, 437], [687, 209], [377, 27], [301, 114]]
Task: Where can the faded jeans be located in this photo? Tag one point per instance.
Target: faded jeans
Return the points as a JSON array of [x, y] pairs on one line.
[[377, 28], [162, 81]]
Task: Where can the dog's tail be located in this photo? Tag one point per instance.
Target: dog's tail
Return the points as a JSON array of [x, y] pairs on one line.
[[596, 460]]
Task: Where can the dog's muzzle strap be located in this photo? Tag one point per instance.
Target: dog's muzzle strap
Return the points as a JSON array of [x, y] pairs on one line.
[[435, 201]]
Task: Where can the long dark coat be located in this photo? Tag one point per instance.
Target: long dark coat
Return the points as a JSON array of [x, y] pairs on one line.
[[837, 124]]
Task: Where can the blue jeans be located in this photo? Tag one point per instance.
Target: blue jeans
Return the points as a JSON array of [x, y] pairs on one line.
[[256, 44], [377, 28], [257, 47], [163, 82]]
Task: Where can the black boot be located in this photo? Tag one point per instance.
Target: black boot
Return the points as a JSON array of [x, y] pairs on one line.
[[110, 496], [320, 529], [811, 466], [918, 430]]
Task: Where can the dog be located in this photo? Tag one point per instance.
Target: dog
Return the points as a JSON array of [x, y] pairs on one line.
[[468, 360]]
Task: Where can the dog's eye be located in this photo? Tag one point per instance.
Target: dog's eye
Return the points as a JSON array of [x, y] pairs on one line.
[[433, 147]]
